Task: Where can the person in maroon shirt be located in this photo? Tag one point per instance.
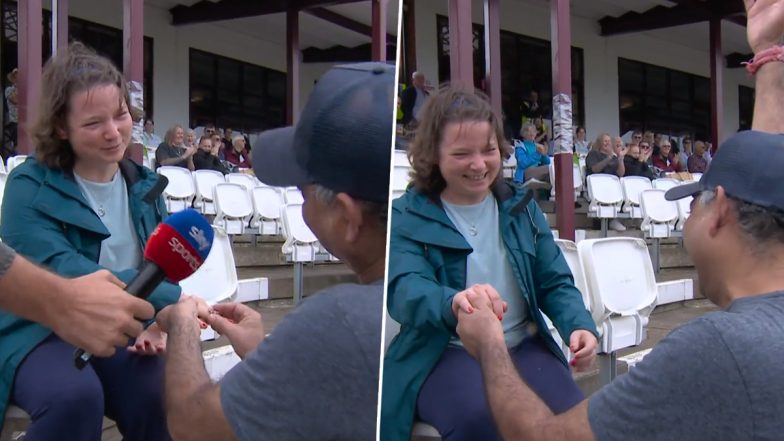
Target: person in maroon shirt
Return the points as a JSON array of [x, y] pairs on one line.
[[238, 154], [665, 160]]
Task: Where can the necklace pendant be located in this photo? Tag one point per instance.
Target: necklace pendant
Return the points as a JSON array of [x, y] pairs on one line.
[[473, 231], [101, 212]]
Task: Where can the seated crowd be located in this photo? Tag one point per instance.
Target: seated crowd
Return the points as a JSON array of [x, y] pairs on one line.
[[216, 149]]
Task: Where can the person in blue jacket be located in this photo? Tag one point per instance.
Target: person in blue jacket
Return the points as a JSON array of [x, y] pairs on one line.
[[532, 159], [461, 229], [75, 208]]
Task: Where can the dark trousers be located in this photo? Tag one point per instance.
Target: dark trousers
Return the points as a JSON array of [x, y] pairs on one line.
[[452, 399], [66, 403]]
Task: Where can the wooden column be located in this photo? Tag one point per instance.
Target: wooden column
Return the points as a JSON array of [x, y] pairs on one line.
[[717, 83], [133, 60], [379, 44], [29, 79], [293, 59], [560, 38], [59, 25], [461, 49], [493, 53]]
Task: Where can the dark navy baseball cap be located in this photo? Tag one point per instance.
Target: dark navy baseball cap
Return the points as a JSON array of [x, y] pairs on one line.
[[343, 139], [748, 166]]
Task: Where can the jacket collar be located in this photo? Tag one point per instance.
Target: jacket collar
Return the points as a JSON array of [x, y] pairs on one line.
[[442, 231]]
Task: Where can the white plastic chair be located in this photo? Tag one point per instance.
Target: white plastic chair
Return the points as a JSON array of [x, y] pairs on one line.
[[301, 244], [400, 178], [292, 195], [606, 196], [205, 182], [13, 161], [246, 180], [267, 204], [684, 210], [509, 167], [665, 183], [572, 257], [400, 158], [696, 176], [216, 280], [659, 214], [632, 187], [577, 180], [233, 207], [619, 273], [180, 190]]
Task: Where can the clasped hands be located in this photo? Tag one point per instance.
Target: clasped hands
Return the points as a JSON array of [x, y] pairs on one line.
[[479, 310]]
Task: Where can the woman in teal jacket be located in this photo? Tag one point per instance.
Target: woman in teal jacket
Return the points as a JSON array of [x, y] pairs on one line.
[[460, 229], [75, 208]]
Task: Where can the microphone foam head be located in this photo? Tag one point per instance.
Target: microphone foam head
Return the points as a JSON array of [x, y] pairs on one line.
[[180, 245]]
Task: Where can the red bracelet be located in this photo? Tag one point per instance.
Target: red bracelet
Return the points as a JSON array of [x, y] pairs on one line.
[[773, 53]]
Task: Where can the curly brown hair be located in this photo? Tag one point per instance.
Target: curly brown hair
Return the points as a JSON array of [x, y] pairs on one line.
[[452, 103], [73, 70]]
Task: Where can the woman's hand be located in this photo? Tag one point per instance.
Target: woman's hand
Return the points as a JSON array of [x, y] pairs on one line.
[[583, 346], [460, 300], [152, 341], [764, 24]]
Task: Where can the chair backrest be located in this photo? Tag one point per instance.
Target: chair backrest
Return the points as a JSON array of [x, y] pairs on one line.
[[296, 226], [180, 184], [293, 195], [216, 280], [205, 181], [247, 181], [13, 161], [665, 183], [400, 158], [656, 208], [569, 250], [618, 270], [633, 186], [400, 177], [696, 176], [232, 201], [684, 207], [267, 202], [605, 189]]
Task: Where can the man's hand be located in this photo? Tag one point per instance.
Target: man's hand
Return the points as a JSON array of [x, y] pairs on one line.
[[764, 24], [240, 324], [95, 313], [583, 346], [481, 327], [461, 301]]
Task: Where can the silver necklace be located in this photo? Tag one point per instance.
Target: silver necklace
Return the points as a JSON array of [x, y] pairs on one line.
[[472, 229], [101, 211]]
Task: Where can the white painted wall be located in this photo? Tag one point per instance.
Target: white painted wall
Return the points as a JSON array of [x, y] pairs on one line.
[[600, 55]]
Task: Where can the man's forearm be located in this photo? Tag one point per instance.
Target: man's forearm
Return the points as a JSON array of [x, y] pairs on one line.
[[517, 410], [768, 105], [31, 292]]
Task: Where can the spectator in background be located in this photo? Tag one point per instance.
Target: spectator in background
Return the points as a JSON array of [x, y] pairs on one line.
[[697, 162], [209, 129], [238, 154], [413, 98], [542, 136], [618, 144], [172, 151], [217, 147], [647, 152], [206, 158], [190, 139], [529, 108], [649, 138], [636, 137], [11, 116], [149, 138], [665, 160], [227, 137], [532, 159], [686, 150], [581, 144], [635, 162]]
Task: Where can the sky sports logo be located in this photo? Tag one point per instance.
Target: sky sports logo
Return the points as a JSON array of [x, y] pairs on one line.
[[198, 235], [178, 247]]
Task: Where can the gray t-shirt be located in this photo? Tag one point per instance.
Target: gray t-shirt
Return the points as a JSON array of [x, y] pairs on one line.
[[594, 157], [489, 263], [719, 377], [316, 376]]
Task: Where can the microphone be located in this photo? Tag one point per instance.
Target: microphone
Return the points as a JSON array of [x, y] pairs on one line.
[[174, 251]]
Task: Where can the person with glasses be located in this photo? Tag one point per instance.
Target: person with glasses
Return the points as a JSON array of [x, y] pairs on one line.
[[635, 162], [665, 160]]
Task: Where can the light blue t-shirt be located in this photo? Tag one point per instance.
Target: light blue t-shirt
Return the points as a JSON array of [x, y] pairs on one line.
[[489, 263], [109, 200]]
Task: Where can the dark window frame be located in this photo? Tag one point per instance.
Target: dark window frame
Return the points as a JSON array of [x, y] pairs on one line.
[[646, 102], [746, 97], [269, 113]]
